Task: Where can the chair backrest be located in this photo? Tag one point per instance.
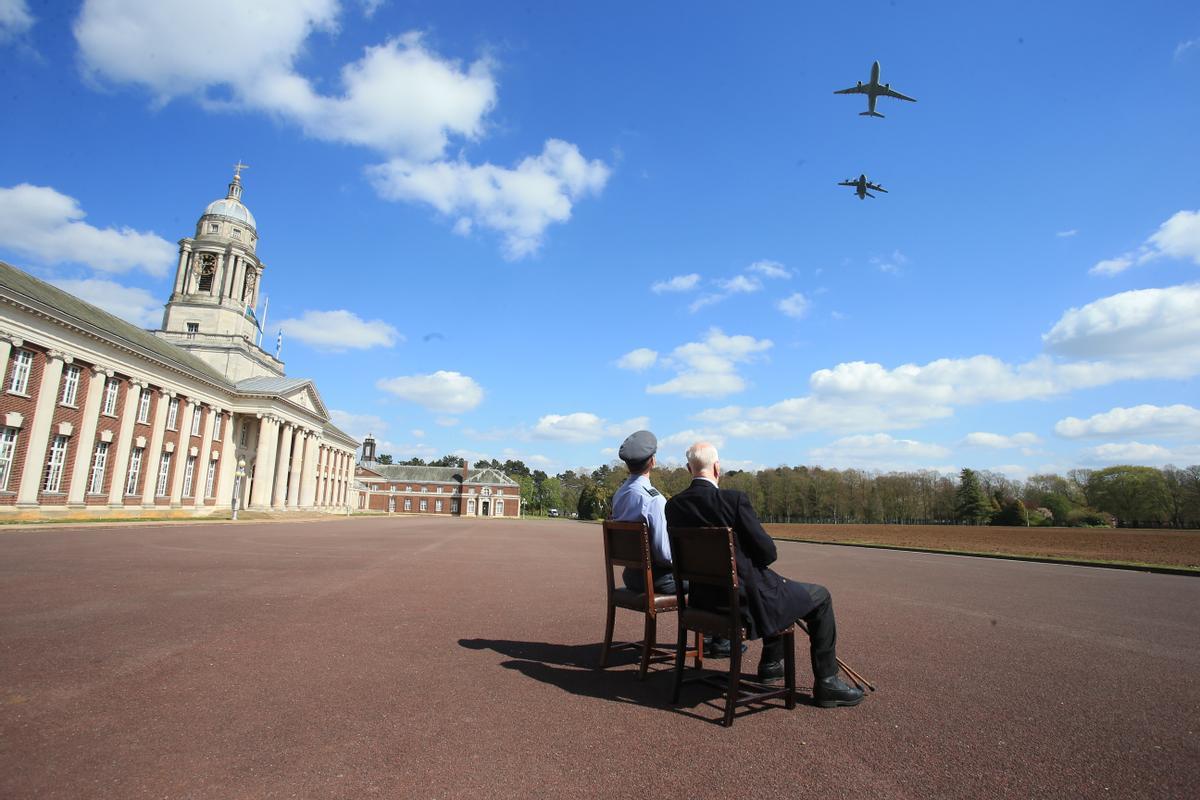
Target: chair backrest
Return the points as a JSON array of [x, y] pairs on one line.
[[626, 544], [706, 556]]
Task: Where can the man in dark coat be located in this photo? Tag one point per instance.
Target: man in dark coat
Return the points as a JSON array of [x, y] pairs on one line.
[[773, 602]]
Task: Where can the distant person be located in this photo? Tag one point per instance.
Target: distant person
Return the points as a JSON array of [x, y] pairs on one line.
[[638, 501], [773, 602]]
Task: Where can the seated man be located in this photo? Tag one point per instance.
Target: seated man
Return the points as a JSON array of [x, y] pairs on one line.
[[638, 501], [773, 602]]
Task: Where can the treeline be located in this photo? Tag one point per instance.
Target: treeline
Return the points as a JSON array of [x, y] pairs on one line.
[[1125, 496]]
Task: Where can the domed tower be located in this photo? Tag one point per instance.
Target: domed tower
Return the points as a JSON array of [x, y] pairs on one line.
[[217, 283]]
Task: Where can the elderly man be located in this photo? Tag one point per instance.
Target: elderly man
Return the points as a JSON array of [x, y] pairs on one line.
[[774, 602], [638, 501]]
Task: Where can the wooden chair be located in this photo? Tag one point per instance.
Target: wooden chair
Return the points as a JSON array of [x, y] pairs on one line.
[[706, 556], [627, 544]]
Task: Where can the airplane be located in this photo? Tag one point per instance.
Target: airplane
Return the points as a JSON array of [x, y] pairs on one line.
[[873, 91], [861, 184]]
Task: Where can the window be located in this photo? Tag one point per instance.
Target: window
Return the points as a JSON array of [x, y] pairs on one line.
[[54, 465], [244, 424], [22, 364], [194, 327], [453, 506], [437, 505], [144, 405], [99, 462], [237, 233], [216, 426], [172, 413], [164, 472], [424, 505], [438, 490], [212, 477], [135, 470], [470, 506], [111, 388], [408, 488], [213, 227], [197, 416], [70, 385], [408, 504], [189, 472], [499, 508], [500, 491], [424, 490], [486, 492], [8, 446]]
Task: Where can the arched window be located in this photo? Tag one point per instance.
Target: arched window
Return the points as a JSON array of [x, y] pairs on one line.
[[208, 268]]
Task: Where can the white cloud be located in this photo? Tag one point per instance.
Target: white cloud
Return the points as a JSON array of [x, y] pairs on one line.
[[1178, 237], [1182, 49], [442, 391], [1066, 234], [795, 305], [369, 7], [400, 98], [43, 224], [770, 269], [638, 360], [520, 203], [704, 301], [999, 441], [876, 449], [1146, 419], [578, 427], [417, 433], [893, 264], [131, 304], [1137, 453], [682, 440], [741, 284], [15, 19], [708, 368], [360, 426], [340, 330], [680, 283]]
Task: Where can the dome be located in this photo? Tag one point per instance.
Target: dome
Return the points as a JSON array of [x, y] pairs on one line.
[[229, 207]]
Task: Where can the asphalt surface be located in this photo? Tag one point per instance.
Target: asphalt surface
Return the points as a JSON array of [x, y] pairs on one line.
[[434, 658]]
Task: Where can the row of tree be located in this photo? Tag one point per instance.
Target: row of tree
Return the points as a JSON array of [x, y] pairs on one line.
[[1127, 496]]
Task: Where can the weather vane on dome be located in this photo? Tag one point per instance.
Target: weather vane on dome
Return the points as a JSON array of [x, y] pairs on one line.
[[237, 169]]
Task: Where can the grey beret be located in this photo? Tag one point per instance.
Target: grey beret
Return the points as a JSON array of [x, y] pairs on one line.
[[638, 447]]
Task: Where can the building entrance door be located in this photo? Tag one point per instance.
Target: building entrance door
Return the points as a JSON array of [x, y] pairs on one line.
[[485, 509], [391, 504]]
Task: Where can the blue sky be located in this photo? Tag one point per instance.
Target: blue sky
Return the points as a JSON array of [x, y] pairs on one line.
[[525, 231]]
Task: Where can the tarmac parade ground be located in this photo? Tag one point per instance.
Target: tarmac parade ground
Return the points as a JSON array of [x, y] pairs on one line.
[[445, 658]]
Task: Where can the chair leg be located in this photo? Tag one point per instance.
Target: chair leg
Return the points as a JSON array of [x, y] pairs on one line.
[[651, 638], [699, 650], [789, 667], [680, 658], [608, 634], [735, 678]]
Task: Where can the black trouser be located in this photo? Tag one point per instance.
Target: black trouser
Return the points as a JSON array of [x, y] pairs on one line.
[[822, 632]]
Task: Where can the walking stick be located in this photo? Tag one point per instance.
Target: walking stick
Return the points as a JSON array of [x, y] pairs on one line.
[[854, 676]]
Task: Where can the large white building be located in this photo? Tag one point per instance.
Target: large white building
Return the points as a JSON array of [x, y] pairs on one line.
[[98, 415]]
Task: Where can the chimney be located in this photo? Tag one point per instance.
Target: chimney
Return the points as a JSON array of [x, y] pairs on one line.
[[466, 469]]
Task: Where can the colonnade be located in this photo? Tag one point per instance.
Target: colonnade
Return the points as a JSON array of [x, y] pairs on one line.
[[295, 468]]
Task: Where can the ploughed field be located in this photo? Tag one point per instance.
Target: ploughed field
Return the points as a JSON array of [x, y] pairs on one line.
[[1130, 546]]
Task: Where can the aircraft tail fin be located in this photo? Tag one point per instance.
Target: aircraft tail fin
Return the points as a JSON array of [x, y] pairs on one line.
[[869, 114]]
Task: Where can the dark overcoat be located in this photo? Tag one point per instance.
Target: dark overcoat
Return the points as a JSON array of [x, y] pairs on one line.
[[771, 604]]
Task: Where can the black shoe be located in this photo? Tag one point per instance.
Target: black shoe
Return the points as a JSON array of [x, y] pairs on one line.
[[770, 671], [832, 692], [719, 647]]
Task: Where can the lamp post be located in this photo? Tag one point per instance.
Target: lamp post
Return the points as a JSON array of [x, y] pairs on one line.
[[237, 485]]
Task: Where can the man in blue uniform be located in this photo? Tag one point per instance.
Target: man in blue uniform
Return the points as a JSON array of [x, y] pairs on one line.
[[638, 501]]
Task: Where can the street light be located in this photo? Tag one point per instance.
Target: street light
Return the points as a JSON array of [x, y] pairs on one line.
[[237, 484]]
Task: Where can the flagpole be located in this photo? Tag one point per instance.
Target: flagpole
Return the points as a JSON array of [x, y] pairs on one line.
[[263, 327]]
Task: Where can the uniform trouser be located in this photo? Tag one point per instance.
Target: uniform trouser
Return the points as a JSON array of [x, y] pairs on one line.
[[822, 632]]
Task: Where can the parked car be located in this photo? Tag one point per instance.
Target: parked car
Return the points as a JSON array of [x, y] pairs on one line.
[[552, 512]]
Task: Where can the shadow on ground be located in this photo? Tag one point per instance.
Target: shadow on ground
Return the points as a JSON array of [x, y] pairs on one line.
[[573, 668]]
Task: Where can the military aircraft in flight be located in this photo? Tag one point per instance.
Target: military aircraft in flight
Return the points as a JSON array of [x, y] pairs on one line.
[[874, 90], [861, 185]]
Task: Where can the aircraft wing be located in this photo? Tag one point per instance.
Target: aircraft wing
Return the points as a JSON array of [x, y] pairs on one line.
[[847, 183], [897, 95], [852, 90], [877, 188]]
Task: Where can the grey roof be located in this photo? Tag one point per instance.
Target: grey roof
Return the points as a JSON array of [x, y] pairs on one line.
[[232, 208], [270, 385], [412, 474], [335, 430], [87, 316]]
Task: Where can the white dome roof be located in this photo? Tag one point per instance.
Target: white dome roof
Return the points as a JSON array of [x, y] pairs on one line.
[[228, 207]]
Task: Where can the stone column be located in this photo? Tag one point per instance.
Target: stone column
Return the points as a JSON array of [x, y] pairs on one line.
[[39, 430], [264, 463], [323, 477], [225, 268], [151, 457], [201, 479], [293, 490], [308, 481], [239, 278], [342, 483], [227, 464], [7, 342], [181, 269], [116, 491], [184, 437], [283, 460], [87, 435]]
